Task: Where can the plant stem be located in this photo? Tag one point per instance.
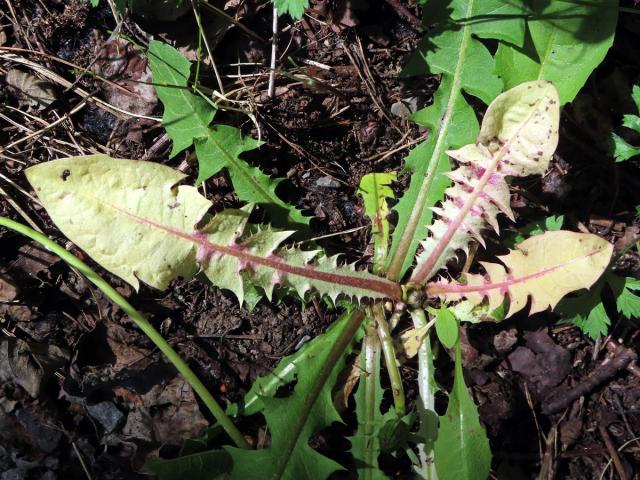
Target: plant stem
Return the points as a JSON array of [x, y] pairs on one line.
[[389, 352], [144, 325], [274, 52], [202, 37], [427, 389], [371, 365]]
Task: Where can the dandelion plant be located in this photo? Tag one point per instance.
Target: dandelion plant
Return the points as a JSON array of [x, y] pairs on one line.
[[140, 222]]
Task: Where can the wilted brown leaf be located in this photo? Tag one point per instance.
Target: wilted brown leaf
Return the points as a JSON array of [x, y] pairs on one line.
[[33, 91]]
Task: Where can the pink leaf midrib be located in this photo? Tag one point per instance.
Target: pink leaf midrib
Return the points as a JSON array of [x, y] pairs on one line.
[[424, 271], [380, 286], [436, 288]]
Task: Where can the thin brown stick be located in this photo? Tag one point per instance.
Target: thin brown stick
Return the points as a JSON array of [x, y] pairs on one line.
[[46, 128], [20, 211], [562, 398], [617, 462], [367, 79]]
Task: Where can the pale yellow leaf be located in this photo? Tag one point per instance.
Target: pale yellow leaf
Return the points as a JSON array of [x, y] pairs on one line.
[[518, 137], [543, 268], [108, 207], [411, 340]]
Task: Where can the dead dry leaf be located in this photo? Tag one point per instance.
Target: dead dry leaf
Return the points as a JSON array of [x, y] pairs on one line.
[[126, 66], [351, 381], [8, 289], [411, 340], [33, 91], [169, 414], [34, 259], [29, 364]]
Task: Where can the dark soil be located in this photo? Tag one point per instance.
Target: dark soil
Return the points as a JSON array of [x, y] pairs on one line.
[[95, 399]]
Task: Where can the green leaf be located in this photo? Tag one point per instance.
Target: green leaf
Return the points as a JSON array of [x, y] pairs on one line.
[[186, 116], [624, 150], [208, 465], [446, 327], [295, 8], [596, 322], [286, 372], [565, 42], [395, 432], [130, 217], [292, 420], [635, 95], [467, 312], [632, 122], [428, 163], [452, 24], [94, 3], [85, 197], [375, 189], [454, 51], [365, 443], [588, 312], [221, 148], [251, 294], [187, 119], [462, 449], [627, 303]]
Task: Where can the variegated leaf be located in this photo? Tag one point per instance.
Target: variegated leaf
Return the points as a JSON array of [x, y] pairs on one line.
[[132, 218], [544, 268], [518, 136]]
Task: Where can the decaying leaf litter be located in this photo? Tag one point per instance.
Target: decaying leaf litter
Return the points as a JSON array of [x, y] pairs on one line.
[[114, 366]]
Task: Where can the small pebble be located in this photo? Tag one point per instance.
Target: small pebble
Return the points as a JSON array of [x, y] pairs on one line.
[[327, 182], [107, 414], [405, 107]]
